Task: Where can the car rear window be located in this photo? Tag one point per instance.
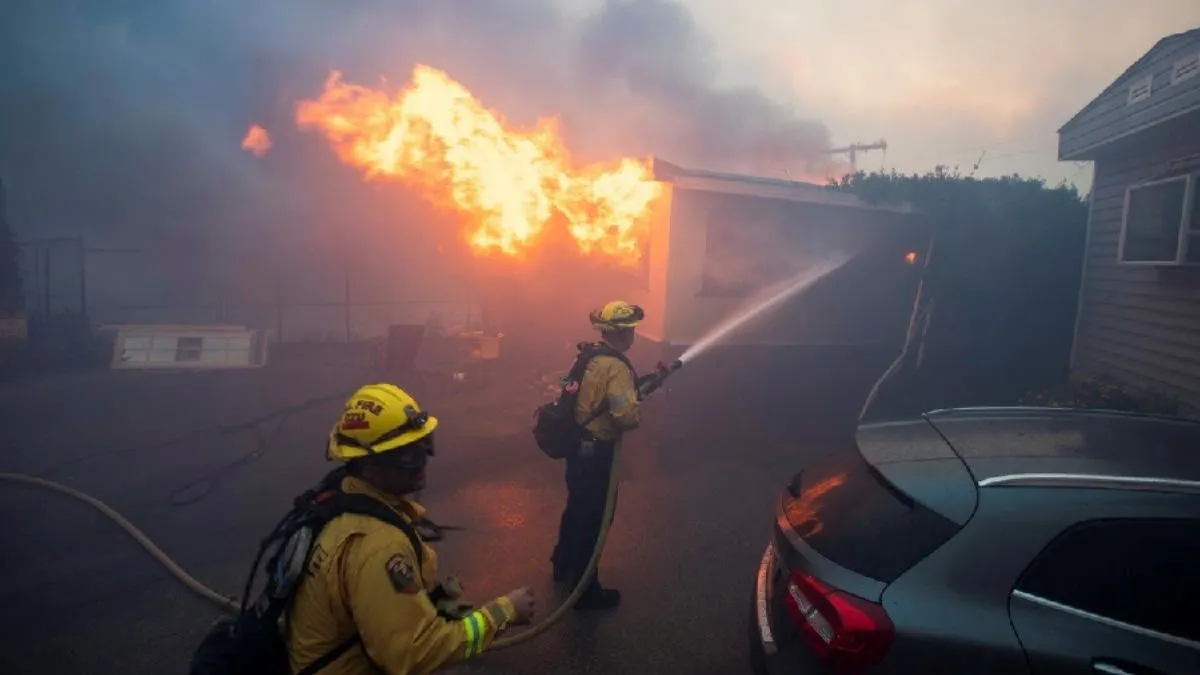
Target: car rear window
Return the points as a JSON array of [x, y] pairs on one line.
[[850, 513]]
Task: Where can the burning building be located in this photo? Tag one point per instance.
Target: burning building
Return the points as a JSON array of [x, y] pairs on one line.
[[717, 240], [550, 238], [547, 239]]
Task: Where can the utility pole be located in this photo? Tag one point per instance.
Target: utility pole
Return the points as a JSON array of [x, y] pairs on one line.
[[854, 148]]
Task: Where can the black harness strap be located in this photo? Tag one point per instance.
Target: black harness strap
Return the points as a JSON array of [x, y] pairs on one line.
[[330, 656], [587, 352], [337, 504], [344, 502]]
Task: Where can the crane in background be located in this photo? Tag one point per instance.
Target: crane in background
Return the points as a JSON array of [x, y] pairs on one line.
[[853, 149]]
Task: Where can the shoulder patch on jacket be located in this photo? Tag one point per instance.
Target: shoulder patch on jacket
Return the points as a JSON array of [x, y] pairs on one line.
[[402, 574], [317, 560]]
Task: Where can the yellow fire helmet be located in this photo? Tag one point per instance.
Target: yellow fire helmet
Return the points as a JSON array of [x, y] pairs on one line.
[[378, 418], [616, 315]]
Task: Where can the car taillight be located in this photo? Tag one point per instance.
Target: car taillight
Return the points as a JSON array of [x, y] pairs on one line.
[[846, 632]]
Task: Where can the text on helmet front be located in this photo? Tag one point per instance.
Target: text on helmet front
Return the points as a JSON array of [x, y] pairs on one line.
[[370, 406]]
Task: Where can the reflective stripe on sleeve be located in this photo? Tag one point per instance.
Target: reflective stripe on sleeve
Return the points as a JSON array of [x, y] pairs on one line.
[[473, 624]]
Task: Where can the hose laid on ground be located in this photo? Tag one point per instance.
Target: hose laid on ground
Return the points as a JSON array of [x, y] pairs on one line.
[[542, 626], [132, 530], [232, 605]]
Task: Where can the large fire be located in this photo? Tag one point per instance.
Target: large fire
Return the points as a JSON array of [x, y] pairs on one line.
[[509, 185]]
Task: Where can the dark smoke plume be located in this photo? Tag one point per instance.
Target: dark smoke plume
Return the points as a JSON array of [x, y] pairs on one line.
[[122, 119]]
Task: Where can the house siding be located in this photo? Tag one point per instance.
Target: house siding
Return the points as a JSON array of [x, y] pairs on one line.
[[1111, 116], [1139, 325]]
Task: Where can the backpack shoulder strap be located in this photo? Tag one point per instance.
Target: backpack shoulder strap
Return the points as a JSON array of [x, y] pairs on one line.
[[594, 349], [334, 505], [330, 656], [620, 356], [587, 352], [344, 502]]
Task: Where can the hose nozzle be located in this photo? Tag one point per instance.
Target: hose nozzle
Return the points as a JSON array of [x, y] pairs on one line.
[[650, 382]]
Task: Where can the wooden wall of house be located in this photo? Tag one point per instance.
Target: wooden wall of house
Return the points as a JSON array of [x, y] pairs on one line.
[[1138, 324]]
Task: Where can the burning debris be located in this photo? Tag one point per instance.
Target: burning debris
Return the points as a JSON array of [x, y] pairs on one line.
[[510, 186], [257, 141]]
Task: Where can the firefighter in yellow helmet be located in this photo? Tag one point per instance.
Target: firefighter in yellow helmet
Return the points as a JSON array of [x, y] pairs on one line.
[[607, 406], [364, 575]]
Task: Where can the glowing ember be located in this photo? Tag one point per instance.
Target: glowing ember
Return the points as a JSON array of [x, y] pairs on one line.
[[257, 141], [436, 137]]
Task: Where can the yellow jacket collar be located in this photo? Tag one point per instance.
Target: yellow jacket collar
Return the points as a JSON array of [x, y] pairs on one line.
[[408, 507]]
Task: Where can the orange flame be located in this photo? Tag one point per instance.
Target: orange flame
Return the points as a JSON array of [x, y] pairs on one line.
[[257, 141], [509, 185]]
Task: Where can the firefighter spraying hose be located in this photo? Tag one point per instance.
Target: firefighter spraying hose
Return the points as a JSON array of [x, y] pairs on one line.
[[500, 609]]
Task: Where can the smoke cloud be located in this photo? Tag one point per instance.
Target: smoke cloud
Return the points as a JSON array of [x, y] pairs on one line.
[[653, 51], [124, 119]]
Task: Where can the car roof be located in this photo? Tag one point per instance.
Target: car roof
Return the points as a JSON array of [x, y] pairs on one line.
[[1017, 444]]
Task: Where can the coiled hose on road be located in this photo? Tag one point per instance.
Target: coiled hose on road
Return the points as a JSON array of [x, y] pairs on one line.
[[231, 605]]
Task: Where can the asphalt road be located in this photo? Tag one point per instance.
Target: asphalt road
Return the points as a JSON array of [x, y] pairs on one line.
[[77, 596]]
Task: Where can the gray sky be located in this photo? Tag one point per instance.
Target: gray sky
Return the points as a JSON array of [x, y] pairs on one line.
[[942, 80]]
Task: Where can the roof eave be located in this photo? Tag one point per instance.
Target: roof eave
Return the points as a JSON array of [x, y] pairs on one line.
[[1125, 74], [763, 187]]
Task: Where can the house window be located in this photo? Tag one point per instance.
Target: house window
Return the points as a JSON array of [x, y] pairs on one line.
[[1159, 226]]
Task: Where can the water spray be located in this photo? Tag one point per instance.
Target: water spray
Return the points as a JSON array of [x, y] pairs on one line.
[[771, 299], [649, 383], [646, 385]]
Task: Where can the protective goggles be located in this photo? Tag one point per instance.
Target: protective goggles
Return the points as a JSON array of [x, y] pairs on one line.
[[409, 457]]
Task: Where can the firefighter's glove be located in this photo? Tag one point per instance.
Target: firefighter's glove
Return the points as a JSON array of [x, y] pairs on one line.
[[453, 610], [446, 597], [449, 588]]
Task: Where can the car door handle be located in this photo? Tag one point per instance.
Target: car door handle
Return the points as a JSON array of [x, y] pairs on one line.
[[1110, 668]]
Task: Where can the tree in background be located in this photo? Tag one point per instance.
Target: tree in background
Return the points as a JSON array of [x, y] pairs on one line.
[[1002, 287], [10, 275]]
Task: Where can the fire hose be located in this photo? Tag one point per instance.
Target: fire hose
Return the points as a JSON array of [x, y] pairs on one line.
[[646, 385]]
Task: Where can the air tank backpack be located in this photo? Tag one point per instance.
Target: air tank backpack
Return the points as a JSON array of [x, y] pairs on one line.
[[252, 642], [555, 429]]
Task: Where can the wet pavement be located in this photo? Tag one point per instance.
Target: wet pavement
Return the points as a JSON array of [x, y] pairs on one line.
[[78, 596]]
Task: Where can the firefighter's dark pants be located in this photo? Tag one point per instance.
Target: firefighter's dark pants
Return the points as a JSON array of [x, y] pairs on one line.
[[587, 490]]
